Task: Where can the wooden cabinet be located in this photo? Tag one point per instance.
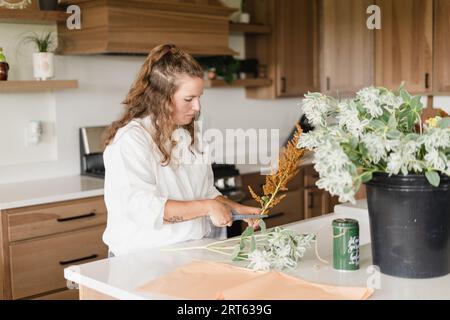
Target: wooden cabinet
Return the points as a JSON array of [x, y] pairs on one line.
[[290, 52], [38, 242], [297, 43], [403, 45], [32, 222], [316, 202], [38, 266], [346, 46], [441, 71]]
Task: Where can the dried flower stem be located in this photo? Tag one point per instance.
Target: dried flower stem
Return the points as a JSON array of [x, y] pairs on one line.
[[287, 170]]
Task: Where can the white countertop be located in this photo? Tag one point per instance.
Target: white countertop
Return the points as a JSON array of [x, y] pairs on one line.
[[119, 277], [16, 195]]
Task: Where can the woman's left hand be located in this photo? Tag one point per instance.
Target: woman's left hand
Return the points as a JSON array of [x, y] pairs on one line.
[[241, 209]]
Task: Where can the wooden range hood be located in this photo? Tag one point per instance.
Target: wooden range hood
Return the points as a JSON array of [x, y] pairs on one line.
[[136, 26]]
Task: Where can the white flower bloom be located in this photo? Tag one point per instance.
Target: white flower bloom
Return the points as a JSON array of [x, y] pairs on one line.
[[311, 139], [259, 260], [369, 98], [375, 145], [435, 161], [435, 138], [330, 157], [404, 159], [316, 107], [349, 118], [390, 101], [338, 183]]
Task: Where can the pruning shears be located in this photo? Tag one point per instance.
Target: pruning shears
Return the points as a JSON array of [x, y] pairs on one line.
[[237, 216]]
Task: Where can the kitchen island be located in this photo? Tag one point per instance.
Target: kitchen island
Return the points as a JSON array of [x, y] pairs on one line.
[[120, 277]]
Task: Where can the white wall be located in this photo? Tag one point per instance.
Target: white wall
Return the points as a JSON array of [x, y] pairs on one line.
[[104, 82]]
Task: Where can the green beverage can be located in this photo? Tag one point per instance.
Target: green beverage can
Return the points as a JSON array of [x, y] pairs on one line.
[[345, 244]]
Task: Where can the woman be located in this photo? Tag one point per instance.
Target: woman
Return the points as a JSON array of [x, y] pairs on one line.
[[153, 198]]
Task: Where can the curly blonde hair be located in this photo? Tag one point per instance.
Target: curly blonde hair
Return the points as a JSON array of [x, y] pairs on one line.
[[152, 94]]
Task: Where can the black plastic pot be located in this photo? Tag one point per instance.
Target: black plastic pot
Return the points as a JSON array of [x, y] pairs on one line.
[[410, 225], [48, 5]]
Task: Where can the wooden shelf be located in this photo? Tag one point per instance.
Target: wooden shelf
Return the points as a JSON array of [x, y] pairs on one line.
[[250, 28], [238, 83], [32, 16], [37, 86]]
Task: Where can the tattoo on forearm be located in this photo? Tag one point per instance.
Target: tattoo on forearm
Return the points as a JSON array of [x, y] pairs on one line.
[[174, 219]]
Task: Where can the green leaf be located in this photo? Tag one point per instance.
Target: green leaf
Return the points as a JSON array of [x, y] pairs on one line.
[[405, 95], [377, 124], [247, 232], [353, 142], [412, 119], [253, 244], [444, 123], [242, 243], [416, 104], [235, 253], [393, 134], [392, 124], [433, 178], [366, 176], [262, 225]]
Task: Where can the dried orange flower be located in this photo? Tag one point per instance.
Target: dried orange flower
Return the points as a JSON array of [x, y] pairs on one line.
[[288, 168]]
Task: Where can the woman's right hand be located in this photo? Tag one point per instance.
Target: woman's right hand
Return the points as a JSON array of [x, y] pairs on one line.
[[220, 213]]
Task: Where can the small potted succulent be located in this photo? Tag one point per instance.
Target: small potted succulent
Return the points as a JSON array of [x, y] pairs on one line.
[[43, 60], [378, 139]]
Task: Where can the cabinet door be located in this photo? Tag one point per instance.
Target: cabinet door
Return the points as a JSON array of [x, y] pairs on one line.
[[317, 202], [403, 46], [37, 266], [442, 46], [297, 47], [346, 46]]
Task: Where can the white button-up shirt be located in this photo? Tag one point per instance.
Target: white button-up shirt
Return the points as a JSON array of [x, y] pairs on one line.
[[137, 187]]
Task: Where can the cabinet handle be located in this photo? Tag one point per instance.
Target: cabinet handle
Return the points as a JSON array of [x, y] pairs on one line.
[[283, 84], [63, 263], [274, 215], [311, 200], [328, 83], [87, 215], [427, 80]]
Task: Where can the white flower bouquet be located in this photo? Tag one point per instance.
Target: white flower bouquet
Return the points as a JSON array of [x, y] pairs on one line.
[[377, 131]]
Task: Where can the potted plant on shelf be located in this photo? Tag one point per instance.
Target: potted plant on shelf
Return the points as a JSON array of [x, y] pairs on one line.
[[43, 60], [244, 17], [225, 67], [378, 139]]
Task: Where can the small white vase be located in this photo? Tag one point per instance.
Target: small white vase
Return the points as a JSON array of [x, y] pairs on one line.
[[43, 65], [244, 17]]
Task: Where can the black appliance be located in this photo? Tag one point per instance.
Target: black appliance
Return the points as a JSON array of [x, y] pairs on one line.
[[91, 151]]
